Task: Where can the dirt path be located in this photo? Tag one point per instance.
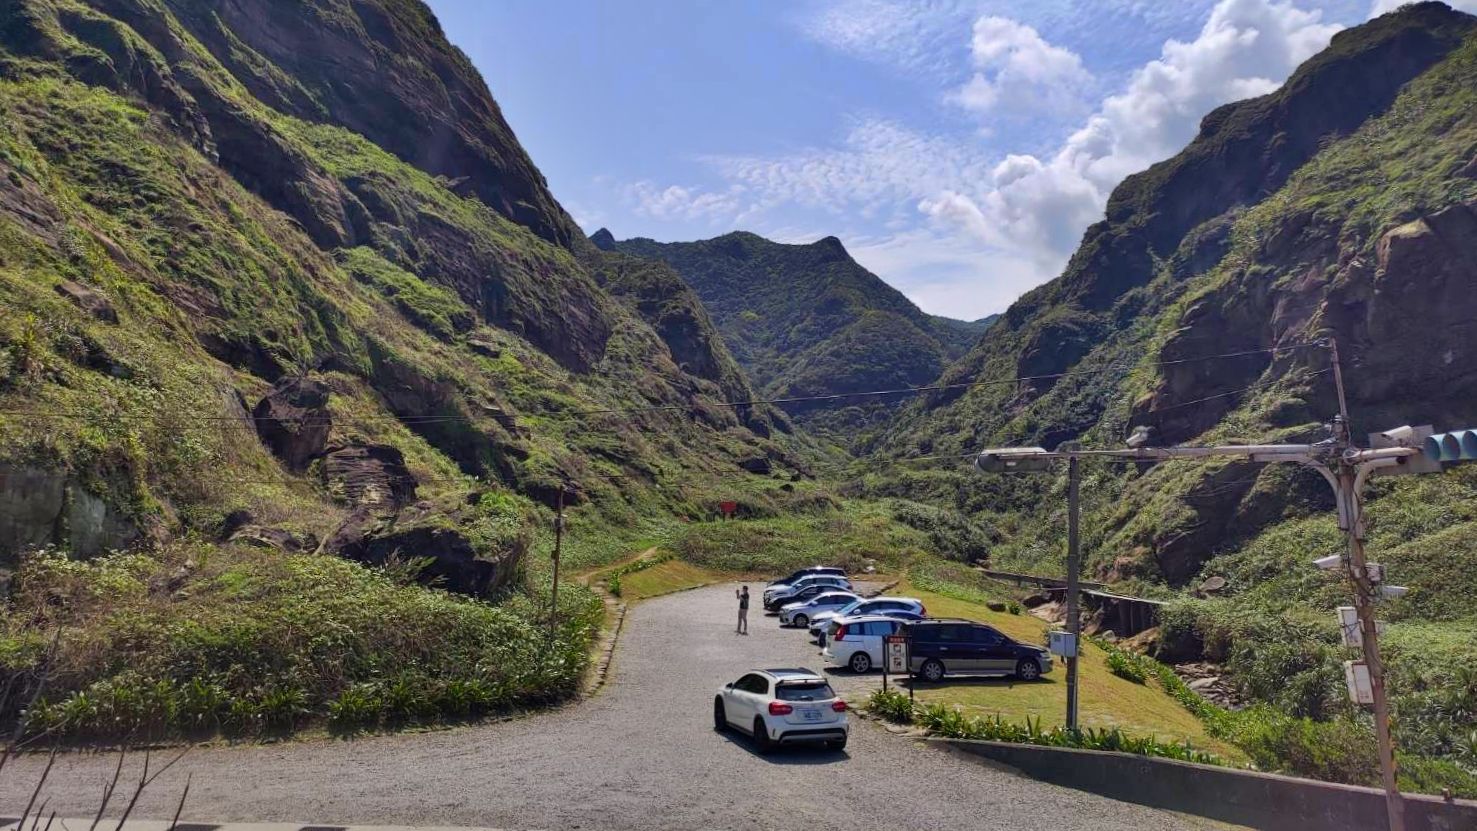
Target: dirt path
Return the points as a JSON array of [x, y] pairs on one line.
[[640, 755]]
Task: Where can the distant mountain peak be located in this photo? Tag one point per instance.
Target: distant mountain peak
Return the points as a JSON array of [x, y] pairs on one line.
[[603, 239]]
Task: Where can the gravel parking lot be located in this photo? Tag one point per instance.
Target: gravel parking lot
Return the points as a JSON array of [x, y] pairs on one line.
[[641, 754]]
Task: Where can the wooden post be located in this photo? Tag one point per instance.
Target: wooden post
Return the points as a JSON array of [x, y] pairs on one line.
[[558, 546]]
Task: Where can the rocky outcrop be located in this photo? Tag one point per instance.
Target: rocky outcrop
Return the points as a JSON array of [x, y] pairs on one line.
[[386, 71], [275, 539], [88, 300], [372, 475], [41, 508], [294, 421], [427, 533]]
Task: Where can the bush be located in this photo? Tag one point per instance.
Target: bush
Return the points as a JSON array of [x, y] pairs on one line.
[[246, 641], [892, 705], [950, 533], [1123, 666]]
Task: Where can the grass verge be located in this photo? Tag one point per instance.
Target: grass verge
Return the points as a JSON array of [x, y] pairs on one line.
[[1107, 701]]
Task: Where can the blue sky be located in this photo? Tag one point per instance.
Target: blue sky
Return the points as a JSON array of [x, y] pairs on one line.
[[957, 147]]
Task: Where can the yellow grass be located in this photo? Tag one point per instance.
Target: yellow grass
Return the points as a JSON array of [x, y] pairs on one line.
[[665, 578], [1104, 699]]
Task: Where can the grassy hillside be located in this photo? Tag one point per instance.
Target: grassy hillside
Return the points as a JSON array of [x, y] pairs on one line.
[[1343, 205], [808, 320], [252, 338]]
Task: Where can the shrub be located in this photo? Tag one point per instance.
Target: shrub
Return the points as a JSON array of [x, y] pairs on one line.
[[613, 577], [1124, 666], [892, 705], [244, 641], [951, 534]]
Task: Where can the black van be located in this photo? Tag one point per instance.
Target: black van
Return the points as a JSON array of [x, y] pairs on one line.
[[963, 647]]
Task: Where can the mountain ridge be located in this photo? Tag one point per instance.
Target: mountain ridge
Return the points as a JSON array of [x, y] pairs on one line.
[[808, 320]]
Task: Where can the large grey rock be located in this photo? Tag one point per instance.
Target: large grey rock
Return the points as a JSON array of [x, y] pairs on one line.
[[40, 508]]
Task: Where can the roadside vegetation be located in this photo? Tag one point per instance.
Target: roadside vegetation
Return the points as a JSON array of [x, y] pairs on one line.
[[199, 640]]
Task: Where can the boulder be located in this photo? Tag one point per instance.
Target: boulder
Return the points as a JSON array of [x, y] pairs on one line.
[[421, 531], [372, 474], [88, 300], [276, 539], [293, 420], [756, 464]]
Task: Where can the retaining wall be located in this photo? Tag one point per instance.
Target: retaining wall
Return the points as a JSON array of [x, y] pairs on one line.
[[1260, 800]]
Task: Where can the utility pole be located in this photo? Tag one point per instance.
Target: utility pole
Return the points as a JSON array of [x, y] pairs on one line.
[[1348, 482], [558, 546], [1345, 466], [1074, 568]]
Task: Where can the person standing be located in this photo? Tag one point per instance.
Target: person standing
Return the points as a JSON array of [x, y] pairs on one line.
[[743, 618]]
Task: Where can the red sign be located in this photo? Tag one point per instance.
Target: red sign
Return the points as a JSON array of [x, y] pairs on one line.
[[728, 508]]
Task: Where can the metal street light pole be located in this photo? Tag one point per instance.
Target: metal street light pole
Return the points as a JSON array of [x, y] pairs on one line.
[[1074, 568]]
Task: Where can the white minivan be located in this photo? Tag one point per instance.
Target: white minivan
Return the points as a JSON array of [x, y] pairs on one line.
[[857, 642]]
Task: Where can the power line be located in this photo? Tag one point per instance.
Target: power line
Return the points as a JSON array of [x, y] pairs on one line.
[[693, 406]]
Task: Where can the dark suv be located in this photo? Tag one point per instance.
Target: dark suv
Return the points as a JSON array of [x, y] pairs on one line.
[[964, 647]]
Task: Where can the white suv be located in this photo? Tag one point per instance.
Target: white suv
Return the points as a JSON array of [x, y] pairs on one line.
[[857, 642], [782, 706]]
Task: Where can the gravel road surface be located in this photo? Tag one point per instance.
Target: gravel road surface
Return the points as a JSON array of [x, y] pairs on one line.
[[642, 754]]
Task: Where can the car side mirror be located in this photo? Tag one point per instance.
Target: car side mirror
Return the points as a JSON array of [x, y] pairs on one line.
[[728, 686]]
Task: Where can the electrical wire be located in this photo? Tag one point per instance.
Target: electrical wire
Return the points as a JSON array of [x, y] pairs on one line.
[[693, 406]]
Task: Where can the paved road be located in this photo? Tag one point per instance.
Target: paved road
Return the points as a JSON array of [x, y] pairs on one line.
[[641, 754]]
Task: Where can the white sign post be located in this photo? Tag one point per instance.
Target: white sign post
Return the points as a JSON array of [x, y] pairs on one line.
[[897, 654]]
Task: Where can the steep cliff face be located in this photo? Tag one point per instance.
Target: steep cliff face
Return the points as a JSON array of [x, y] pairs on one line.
[[808, 320], [268, 258], [1338, 206]]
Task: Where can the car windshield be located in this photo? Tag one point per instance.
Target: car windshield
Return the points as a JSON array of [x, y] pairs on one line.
[[804, 691]]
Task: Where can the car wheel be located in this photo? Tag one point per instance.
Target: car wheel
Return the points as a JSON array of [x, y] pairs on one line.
[[933, 671], [801, 621], [838, 745], [1027, 670], [720, 716], [860, 662], [762, 742]]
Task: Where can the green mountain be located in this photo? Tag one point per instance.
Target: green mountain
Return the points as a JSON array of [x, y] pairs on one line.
[[1343, 205], [278, 277], [808, 320]]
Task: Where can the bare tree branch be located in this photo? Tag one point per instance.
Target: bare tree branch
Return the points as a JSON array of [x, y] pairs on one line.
[[109, 788], [51, 760], [174, 823]]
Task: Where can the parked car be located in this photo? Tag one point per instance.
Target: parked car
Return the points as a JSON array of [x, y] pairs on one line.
[[778, 596], [796, 575], [800, 612], [963, 647], [857, 642], [782, 706], [873, 606]]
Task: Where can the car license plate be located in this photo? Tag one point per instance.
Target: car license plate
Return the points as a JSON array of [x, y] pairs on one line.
[[812, 715]]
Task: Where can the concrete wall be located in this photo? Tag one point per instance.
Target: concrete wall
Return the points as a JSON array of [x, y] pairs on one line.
[[1259, 800]]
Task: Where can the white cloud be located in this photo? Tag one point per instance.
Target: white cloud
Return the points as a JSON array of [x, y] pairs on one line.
[[955, 225], [916, 36], [676, 202], [1018, 73], [1041, 206]]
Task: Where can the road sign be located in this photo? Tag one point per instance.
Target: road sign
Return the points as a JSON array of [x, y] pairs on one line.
[[728, 508], [897, 654], [1356, 676]]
